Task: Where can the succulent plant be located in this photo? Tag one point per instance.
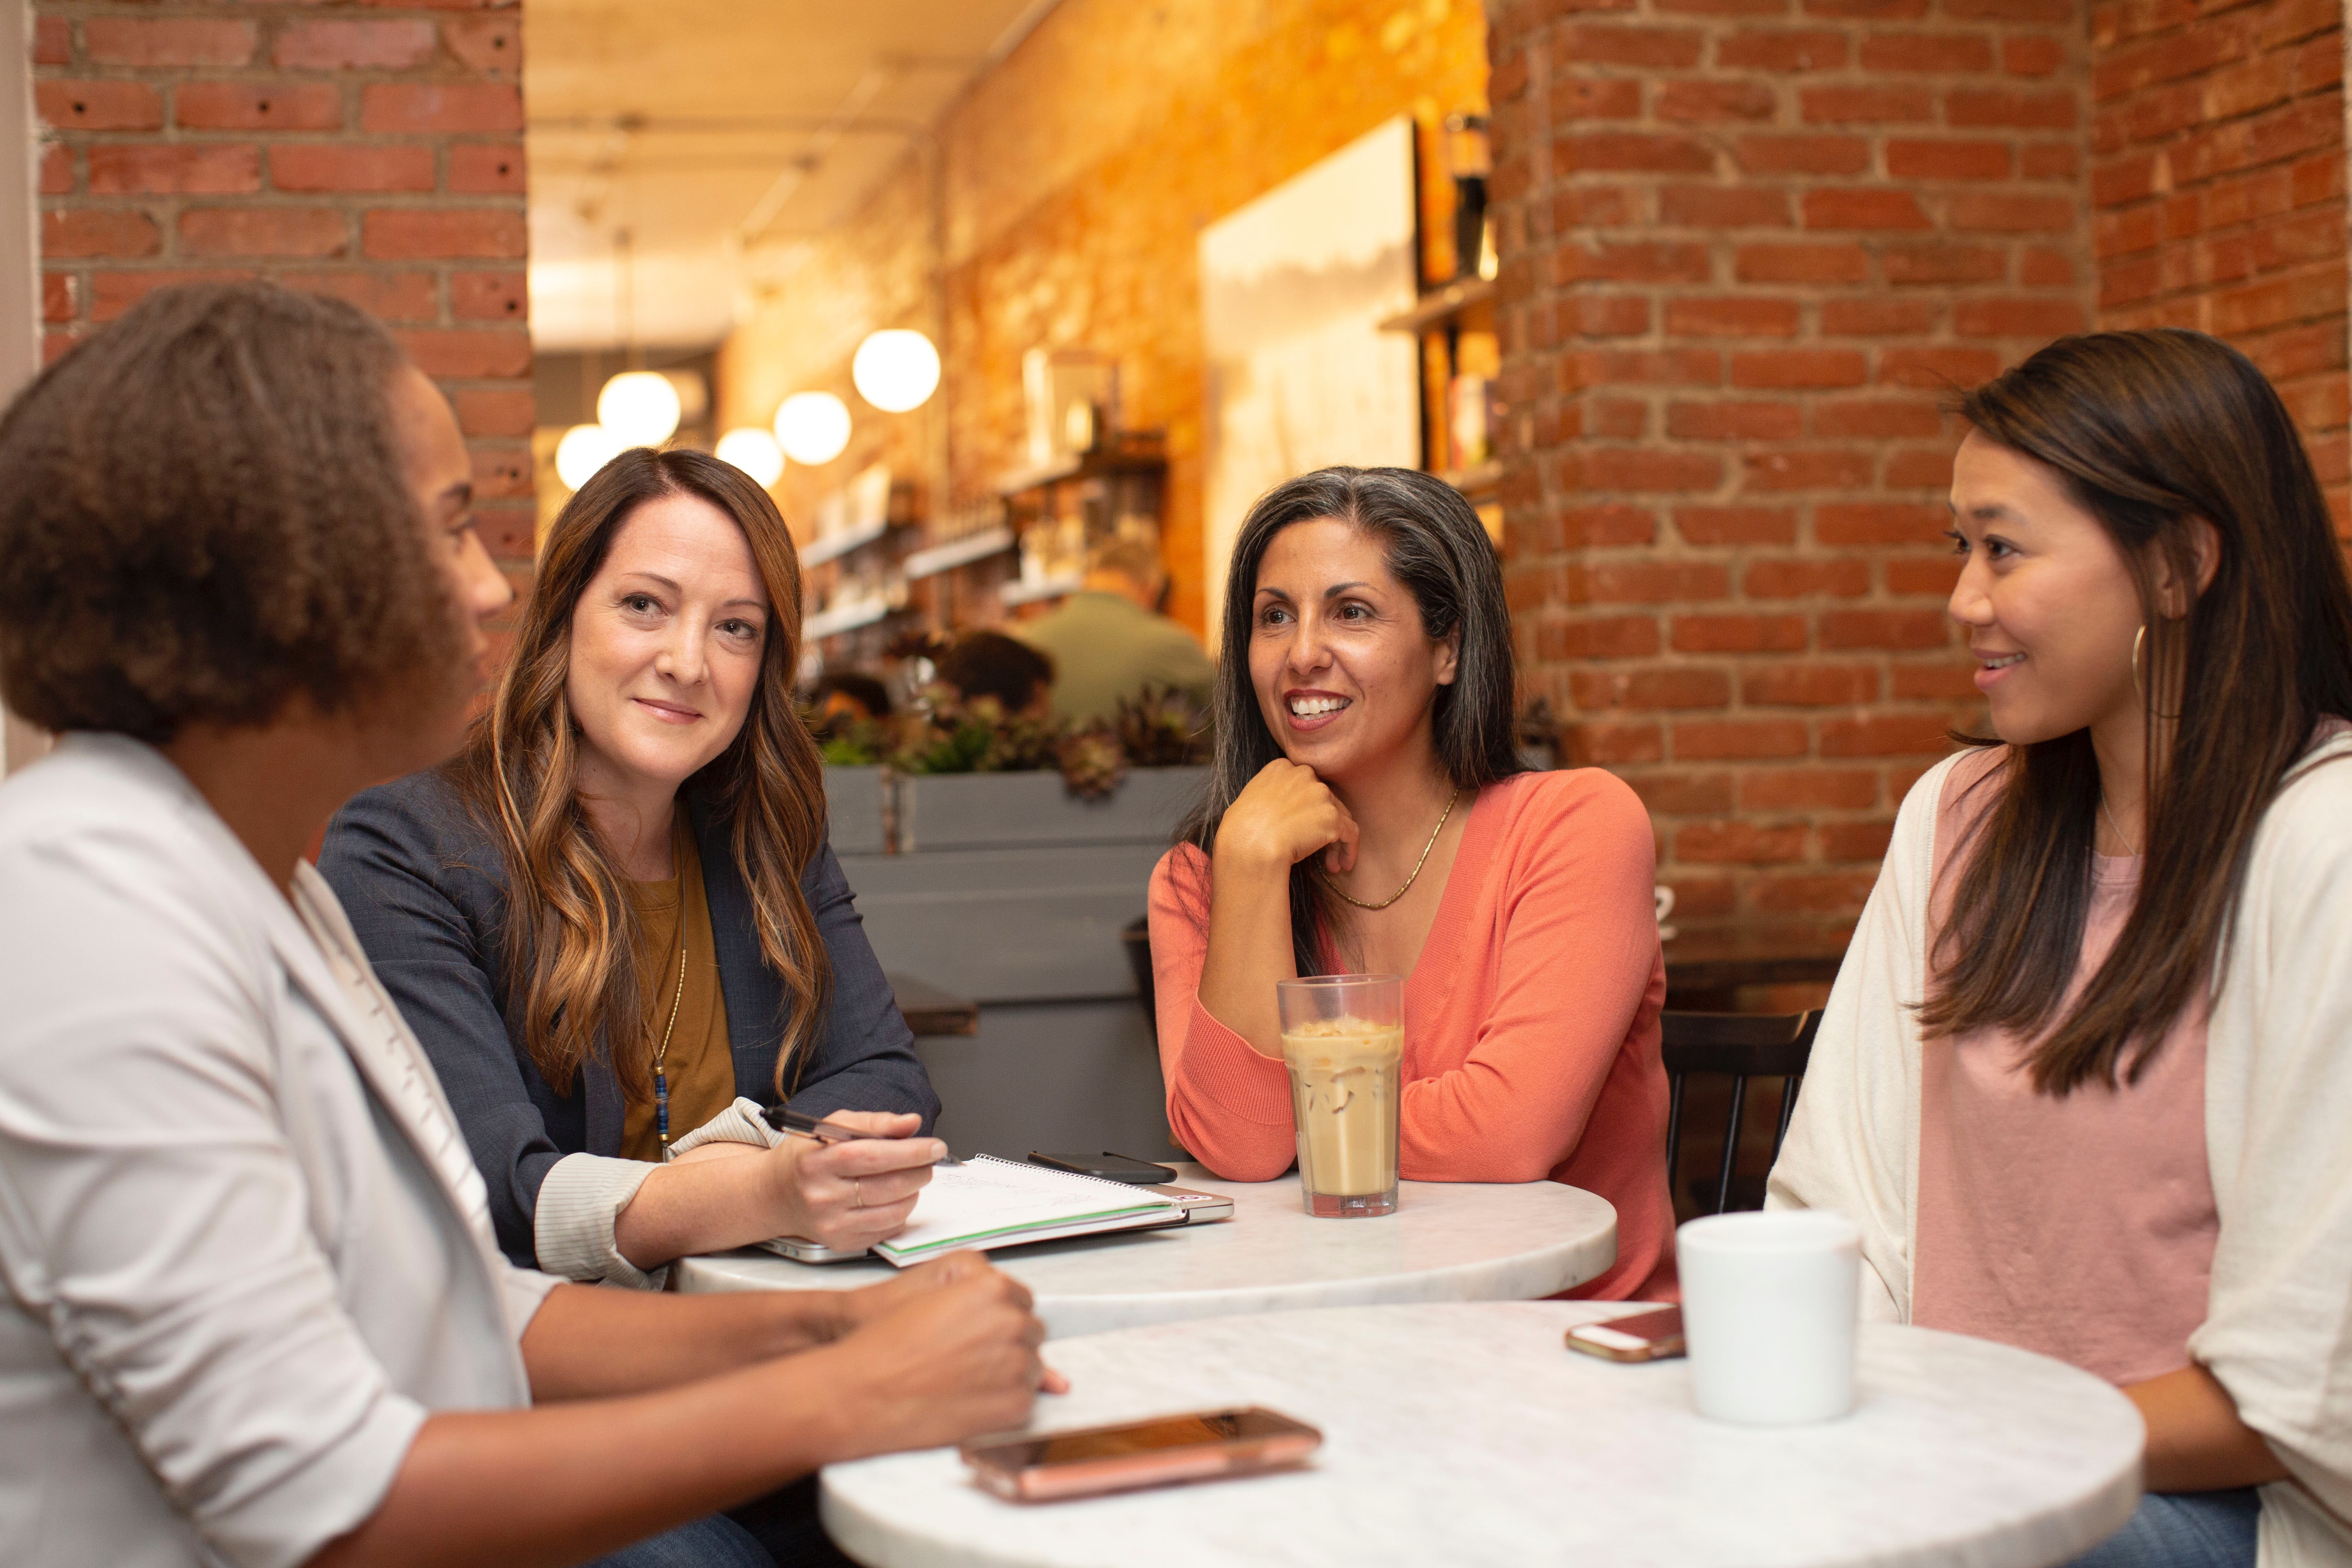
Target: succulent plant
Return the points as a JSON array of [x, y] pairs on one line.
[[1093, 763], [1159, 727]]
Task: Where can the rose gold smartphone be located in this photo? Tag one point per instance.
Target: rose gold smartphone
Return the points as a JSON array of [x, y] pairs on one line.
[[1140, 1454], [1644, 1336]]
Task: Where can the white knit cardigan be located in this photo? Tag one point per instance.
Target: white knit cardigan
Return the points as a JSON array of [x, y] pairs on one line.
[[2278, 1132]]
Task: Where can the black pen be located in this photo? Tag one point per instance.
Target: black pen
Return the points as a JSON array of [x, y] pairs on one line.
[[784, 1119]]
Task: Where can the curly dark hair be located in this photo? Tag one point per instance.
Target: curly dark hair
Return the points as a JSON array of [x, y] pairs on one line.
[[204, 513], [990, 663]]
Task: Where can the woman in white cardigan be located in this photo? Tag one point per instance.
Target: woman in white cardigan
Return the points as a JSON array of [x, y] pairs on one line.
[[255, 1313], [2086, 1078]]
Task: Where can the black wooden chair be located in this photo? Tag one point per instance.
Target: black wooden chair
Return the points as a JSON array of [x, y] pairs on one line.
[[1741, 1046]]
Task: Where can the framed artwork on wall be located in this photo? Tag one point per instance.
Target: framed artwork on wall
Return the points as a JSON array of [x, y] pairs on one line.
[[1294, 288]]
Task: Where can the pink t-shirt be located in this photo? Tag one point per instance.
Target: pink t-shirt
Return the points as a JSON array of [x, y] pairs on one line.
[[2082, 1227]]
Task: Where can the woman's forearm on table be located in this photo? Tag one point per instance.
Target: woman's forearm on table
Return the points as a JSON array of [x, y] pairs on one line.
[[511, 1489], [698, 1206], [2195, 1441], [585, 1343], [1249, 948]]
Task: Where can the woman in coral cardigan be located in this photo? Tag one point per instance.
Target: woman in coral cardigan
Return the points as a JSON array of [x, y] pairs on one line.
[[1368, 813]]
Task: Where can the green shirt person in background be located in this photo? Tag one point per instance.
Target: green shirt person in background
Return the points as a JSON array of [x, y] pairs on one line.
[[1108, 640]]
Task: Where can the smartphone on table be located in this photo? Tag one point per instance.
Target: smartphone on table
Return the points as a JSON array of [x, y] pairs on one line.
[[1098, 1459], [1643, 1336]]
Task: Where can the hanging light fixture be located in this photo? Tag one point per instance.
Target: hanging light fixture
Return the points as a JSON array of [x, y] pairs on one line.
[[895, 369], [755, 452], [640, 406], [813, 427], [584, 450]]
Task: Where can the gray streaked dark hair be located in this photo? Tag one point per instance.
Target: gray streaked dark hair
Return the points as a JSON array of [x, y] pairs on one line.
[[1437, 548]]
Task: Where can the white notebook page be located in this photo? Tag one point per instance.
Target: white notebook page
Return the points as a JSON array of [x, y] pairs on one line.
[[984, 1197]]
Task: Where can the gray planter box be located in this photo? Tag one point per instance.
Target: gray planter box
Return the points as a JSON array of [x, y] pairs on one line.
[[1008, 811], [853, 808], [1008, 889]]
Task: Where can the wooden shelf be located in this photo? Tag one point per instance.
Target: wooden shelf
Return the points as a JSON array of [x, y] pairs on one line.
[[845, 618], [958, 552], [1122, 452], [834, 546], [1440, 305]]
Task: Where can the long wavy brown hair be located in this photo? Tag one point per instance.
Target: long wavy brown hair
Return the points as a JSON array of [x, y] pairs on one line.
[[572, 935], [2152, 432]]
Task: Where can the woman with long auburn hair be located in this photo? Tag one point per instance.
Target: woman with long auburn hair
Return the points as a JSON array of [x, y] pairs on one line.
[[614, 919], [1368, 812], [2082, 1081]]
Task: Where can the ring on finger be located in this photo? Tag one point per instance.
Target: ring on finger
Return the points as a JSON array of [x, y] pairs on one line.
[[857, 1187]]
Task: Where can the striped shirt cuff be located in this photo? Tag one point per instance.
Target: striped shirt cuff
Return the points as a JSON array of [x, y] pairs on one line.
[[572, 1229]]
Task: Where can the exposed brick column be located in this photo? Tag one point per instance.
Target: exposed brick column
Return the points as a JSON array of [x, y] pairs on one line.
[[1746, 245], [369, 151], [2218, 177]]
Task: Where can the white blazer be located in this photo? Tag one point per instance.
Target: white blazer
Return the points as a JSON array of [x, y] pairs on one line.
[[2278, 1131], [245, 1248]]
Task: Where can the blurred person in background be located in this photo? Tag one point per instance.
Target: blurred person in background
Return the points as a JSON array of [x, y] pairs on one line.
[[255, 1313], [990, 663], [1109, 640], [838, 699]]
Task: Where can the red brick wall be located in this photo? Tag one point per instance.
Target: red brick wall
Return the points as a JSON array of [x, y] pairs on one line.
[[365, 151], [2218, 180], [1746, 245]]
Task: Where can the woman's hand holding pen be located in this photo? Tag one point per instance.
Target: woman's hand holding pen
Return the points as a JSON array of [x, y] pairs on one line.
[[850, 1195]]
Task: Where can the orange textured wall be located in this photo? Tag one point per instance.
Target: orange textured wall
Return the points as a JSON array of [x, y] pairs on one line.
[[1076, 178]]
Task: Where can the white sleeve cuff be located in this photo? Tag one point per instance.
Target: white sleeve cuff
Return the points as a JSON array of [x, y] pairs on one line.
[[739, 1123], [572, 1229]]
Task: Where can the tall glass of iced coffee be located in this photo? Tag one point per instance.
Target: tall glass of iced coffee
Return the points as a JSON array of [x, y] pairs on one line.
[[1343, 1037]]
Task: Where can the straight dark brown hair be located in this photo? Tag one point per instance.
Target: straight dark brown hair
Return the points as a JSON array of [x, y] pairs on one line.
[[1436, 547], [2151, 432], [571, 931]]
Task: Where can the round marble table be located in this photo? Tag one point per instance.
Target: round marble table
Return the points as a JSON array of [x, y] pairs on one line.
[[1448, 1241], [1468, 1434]]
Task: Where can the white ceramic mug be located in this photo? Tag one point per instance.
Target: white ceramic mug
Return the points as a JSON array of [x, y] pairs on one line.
[[1769, 1309]]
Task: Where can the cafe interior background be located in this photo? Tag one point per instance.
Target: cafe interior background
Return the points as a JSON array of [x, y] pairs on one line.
[[1671, 289]]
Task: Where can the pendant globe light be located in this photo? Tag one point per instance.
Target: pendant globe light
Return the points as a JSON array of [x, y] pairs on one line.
[[640, 406], [755, 452], [813, 427], [895, 369], [584, 450]]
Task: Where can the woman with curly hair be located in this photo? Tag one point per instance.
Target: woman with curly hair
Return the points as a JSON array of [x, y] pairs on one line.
[[251, 1307], [614, 921]]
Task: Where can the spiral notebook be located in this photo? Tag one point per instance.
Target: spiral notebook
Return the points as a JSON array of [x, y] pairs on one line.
[[988, 1203]]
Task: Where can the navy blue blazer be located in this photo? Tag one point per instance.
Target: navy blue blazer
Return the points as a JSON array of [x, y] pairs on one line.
[[425, 886]]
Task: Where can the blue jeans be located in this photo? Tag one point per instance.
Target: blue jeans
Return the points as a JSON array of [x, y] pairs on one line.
[[714, 1542], [778, 1530], [2183, 1530]]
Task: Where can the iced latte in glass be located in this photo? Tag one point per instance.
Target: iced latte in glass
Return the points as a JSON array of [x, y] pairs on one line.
[[1343, 1040]]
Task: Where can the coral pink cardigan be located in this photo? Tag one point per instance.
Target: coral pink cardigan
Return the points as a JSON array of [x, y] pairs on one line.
[[1531, 1019]]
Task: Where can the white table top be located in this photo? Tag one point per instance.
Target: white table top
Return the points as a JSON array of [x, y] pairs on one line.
[[1448, 1241], [1468, 1434]]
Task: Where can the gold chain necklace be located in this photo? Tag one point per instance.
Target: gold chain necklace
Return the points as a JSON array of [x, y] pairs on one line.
[[1417, 865], [661, 1079]]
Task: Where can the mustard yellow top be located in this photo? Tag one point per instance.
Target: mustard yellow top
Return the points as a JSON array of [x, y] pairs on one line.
[[700, 1067]]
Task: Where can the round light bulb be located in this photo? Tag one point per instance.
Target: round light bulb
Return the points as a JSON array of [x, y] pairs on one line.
[[895, 369], [584, 450], [640, 406], [755, 452], [813, 427]]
